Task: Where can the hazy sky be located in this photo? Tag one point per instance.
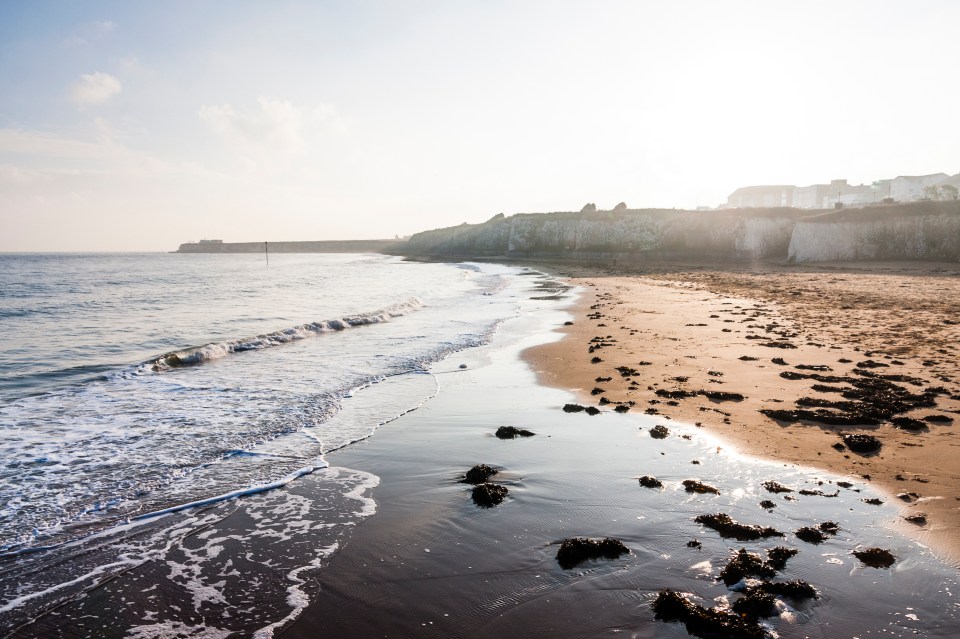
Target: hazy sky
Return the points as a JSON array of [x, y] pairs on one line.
[[140, 125]]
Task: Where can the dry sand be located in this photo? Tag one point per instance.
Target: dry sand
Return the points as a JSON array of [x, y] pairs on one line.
[[690, 328]]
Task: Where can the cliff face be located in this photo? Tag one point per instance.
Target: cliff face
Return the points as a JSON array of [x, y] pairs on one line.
[[933, 235], [929, 231]]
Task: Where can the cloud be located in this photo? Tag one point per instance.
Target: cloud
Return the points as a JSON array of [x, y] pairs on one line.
[[271, 135], [94, 88]]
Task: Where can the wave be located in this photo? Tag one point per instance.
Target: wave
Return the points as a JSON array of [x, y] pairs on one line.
[[200, 354]]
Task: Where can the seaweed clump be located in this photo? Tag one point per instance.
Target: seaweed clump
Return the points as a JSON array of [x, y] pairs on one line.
[[512, 432], [774, 487], [659, 431], [579, 549], [488, 495], [705, 622], [479, 474], [694, 486], [729, 527], [650, 482]]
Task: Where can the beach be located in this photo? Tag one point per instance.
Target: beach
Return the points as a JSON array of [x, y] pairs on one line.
[[363, 521], [696, 328], [432, 563]]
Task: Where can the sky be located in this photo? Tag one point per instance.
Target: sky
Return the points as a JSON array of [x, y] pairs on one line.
[[135, 126]]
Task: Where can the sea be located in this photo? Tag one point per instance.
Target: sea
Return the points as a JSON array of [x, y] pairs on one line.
[[141, 393]]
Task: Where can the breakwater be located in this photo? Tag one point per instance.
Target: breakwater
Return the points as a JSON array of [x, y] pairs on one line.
[[326, 246]]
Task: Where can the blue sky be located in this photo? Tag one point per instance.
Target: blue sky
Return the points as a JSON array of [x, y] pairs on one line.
[[136, 126]]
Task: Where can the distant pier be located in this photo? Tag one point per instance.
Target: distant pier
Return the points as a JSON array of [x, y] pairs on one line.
[[325, 246]]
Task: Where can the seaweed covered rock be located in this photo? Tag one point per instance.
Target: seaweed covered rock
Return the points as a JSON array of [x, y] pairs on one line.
[[489, 495], [592, 410], [862, 444], [650, 482], [512, 432], [705, 622], [756, 605], [730, 528], [819, 534], [694, 486], [777, 557], [796, 589], [745, 564], [579, 549], [573, 408], [875, 557], [479, 474]]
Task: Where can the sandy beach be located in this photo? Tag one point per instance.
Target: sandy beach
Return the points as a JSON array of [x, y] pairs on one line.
[[432, 563], [742, 330]]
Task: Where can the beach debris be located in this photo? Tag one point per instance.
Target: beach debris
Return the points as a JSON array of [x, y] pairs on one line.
[[730, 528], [573, 408], [479, 474], [650, 482], [598, 391], [603, 379], [595, 360], [774, 487], [873, 501], [512, 432], [694, 486], [699, 621], [875, 557], [488, 495], [568, 323], [579, 549], [862, 444], [659, 431], [747, 358]]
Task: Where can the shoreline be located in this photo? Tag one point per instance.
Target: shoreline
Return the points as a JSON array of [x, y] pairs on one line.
[[687, 327], [431, 563]]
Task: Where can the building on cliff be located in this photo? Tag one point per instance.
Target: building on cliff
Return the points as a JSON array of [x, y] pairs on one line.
[[903, 188]]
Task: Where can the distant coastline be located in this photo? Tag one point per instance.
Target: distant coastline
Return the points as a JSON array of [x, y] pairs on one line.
[[323, 246]]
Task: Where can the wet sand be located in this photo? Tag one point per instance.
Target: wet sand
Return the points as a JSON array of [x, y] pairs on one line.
[[719, 329]]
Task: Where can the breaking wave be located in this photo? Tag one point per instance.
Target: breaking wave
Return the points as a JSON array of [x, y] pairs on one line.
[[200, 354]]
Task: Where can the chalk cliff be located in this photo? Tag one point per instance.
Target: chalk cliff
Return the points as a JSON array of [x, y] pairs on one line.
[[922, 231]]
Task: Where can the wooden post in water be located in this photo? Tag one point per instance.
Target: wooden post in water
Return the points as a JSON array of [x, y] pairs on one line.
[[266, 253]]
